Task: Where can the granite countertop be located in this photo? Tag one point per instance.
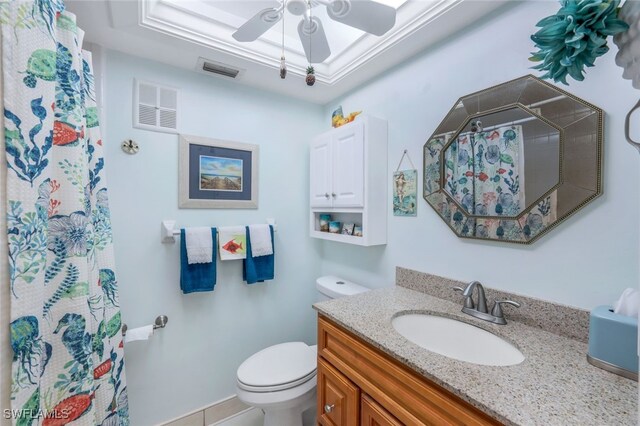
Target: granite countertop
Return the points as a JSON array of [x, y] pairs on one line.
[[554, 385]]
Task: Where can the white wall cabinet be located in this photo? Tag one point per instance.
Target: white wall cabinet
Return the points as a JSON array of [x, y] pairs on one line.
[[348, 180], [337, 167], [321, 177]]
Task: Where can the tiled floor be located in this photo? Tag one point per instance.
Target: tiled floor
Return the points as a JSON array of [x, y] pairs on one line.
[[251, 417], [214, 414], [254, 417]]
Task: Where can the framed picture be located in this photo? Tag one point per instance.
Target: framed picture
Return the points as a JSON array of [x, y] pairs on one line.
[[216, 174], [347, 229], [334, 227], [324, 222], [405, 193]]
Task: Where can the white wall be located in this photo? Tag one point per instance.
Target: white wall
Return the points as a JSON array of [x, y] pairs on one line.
[[192, 362], [587, 260]]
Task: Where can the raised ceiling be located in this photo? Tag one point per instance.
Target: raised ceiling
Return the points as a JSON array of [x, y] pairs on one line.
[[180, 32]]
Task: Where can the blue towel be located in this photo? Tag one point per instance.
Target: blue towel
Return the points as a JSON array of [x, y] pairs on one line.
[[198, 276], [258, 269]]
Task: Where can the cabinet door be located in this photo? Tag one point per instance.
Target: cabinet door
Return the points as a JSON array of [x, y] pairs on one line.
[[373, 414], [320, 172], [338, 398], [348, 166]]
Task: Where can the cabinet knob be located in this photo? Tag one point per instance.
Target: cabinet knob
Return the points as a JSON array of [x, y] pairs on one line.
[[326, 195], [333, 194], [328, 408]]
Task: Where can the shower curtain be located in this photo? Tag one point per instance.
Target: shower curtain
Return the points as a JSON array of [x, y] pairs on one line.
[[65, 321]]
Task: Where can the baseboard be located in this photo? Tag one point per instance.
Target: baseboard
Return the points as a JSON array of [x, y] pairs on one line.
[[223, 410], [210, 414], [225, 419]]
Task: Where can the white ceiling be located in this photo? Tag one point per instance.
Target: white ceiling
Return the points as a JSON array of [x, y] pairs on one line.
[[179, 32]]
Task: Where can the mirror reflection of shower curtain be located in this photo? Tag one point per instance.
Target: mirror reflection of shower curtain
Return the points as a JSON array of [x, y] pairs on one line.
[[486, 171]]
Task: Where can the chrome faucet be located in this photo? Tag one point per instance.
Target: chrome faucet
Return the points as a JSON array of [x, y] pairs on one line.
[[481, 306], [479, 309]]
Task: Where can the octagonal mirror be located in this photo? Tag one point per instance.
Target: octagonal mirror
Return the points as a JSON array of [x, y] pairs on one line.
[[511, 162]]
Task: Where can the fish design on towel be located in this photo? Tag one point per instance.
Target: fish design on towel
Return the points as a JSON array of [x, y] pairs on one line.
[[232, 242], [232, 246]]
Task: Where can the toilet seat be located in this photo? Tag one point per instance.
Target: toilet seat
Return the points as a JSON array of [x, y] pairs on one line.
[[274, 388], [278, 368]]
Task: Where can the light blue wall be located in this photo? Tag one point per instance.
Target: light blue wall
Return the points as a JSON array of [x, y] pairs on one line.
[[587, 260], [192, 362]]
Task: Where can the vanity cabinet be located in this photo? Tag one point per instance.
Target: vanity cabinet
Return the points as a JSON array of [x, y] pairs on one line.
[[388, 392], [338, 397], [348, 181], [372, 414]]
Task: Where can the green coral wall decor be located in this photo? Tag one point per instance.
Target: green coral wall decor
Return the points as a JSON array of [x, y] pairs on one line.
[[575, 37]]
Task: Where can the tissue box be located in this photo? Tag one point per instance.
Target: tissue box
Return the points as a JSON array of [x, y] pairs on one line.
[[613, 342]]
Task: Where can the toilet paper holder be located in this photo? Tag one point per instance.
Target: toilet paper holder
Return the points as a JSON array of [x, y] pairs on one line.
[[160, 322]]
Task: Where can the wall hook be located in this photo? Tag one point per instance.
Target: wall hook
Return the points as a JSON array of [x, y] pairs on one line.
[[130, 147]]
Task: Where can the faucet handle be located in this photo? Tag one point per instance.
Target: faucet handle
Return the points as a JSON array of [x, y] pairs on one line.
[[497, 309], [468, 301]]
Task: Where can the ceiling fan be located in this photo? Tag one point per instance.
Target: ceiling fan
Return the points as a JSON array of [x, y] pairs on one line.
[[366, 15]]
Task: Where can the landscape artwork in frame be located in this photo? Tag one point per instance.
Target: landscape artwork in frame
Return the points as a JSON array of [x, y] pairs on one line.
[[217, 174], [220, 174], [405, 193]]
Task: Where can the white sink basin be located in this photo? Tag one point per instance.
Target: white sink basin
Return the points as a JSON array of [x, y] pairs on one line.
[[457, 340]]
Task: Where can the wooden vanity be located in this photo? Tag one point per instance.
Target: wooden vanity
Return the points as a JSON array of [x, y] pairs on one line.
[[360, 385]]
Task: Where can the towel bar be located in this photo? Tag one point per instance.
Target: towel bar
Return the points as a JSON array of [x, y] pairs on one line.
[[168, 232]]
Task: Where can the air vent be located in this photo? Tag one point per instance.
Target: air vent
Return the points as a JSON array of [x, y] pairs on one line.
[[155, 107], [220, 69]]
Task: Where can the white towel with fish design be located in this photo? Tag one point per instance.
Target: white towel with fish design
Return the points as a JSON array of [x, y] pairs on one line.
[[232, 242]]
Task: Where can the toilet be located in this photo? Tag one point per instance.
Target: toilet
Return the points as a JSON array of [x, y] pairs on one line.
[[281, 379]]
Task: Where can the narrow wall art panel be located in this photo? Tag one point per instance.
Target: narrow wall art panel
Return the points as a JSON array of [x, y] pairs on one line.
[[405, 189], [405, 193]]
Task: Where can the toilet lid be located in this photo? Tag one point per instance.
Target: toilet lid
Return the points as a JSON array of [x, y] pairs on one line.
[[279, 365]]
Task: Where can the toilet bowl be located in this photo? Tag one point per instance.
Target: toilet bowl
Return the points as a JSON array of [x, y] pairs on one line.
[[281, 379]]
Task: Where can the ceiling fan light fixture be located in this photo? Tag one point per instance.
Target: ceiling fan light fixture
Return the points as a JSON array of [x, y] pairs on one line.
[[366, 15]]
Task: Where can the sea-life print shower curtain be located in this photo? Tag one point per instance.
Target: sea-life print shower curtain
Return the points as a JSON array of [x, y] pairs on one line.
[[65, 325]]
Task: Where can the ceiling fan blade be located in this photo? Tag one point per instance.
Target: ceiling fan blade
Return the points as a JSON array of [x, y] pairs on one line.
[[365, 15], [314, 40], [258, 24]]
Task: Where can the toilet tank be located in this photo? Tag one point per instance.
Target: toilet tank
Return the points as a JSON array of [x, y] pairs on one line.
[[332, 287]]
